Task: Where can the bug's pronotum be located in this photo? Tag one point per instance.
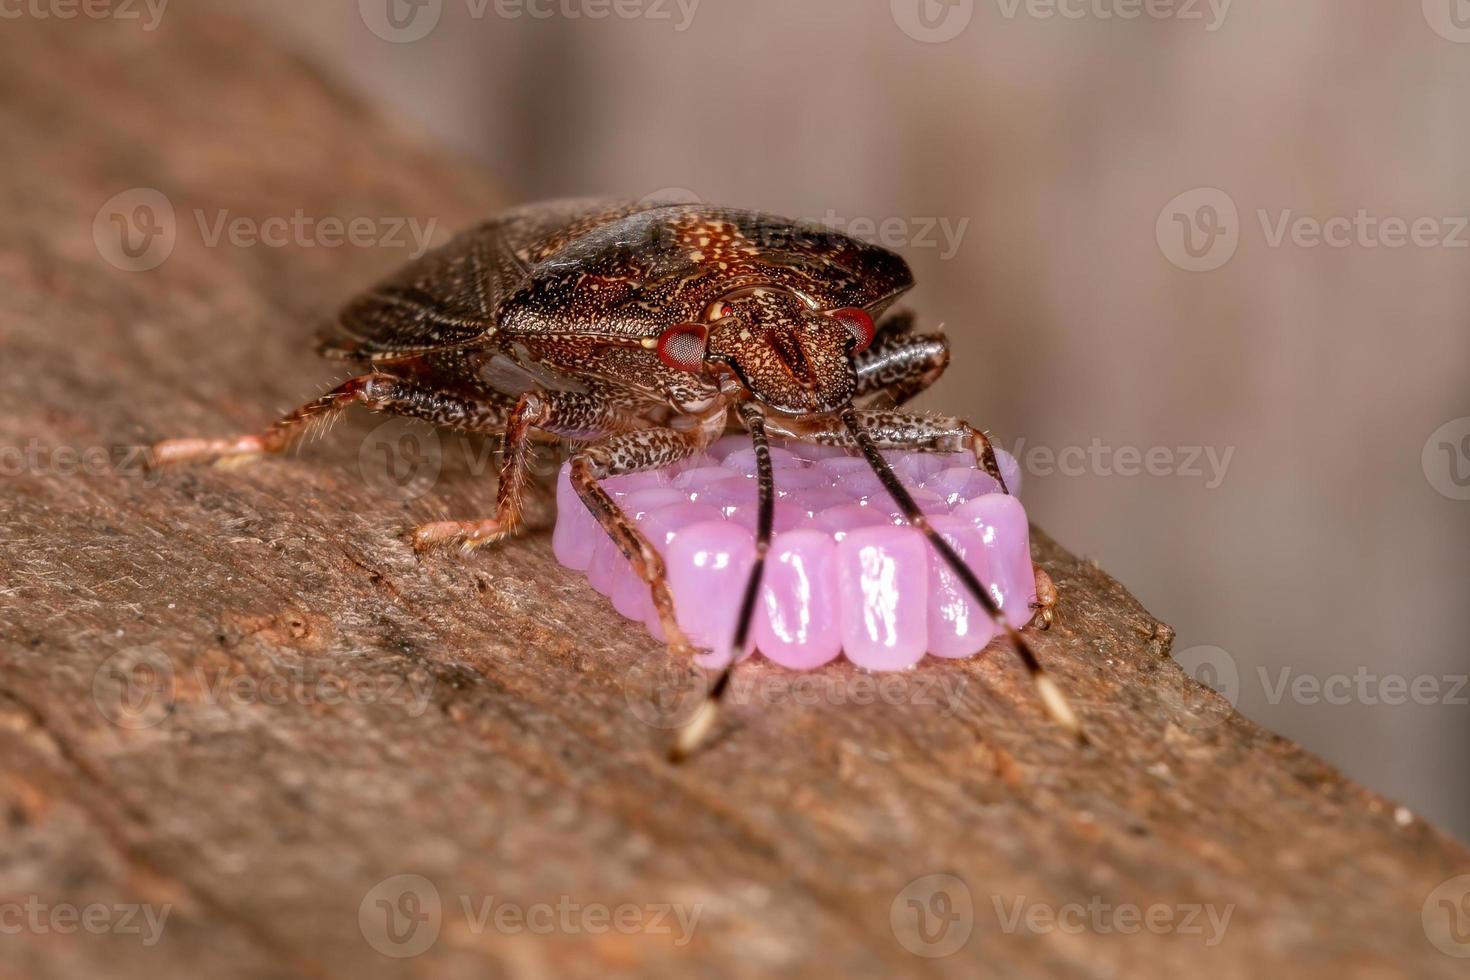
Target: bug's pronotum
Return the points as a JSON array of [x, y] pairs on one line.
[[637, 332]]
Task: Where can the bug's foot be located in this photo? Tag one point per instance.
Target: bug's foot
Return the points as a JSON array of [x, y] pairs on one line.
[[1046, 599], [171, 451], [674, 636], [467, 536]]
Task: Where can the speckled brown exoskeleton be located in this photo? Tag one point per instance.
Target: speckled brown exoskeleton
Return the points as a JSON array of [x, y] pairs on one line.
[[636, 333]]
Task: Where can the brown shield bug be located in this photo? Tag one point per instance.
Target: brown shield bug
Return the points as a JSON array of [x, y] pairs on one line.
[[636, 332]]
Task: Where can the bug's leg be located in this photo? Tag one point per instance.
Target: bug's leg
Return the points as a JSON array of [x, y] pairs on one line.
[[1046, 598], [631, 452], [907, 432], [555, 412], [950, 435], [377, 392], [898, 430], [692, 733], [898, 365]]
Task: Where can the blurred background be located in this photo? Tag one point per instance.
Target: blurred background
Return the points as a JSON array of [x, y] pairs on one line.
[[1204, 265]]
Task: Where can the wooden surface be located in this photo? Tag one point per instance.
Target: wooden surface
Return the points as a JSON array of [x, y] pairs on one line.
[[174, 651]]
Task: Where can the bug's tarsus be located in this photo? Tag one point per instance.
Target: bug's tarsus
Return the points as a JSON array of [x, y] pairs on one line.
[[989, 461], [692, 733], [1046, 688]]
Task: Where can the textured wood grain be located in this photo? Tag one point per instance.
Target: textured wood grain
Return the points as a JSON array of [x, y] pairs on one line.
[[233, 696]]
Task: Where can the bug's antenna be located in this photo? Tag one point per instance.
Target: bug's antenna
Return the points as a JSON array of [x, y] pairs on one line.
[[693, 732], [1046, 688]]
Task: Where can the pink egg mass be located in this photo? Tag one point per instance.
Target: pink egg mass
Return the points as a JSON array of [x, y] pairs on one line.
[[845, 576]]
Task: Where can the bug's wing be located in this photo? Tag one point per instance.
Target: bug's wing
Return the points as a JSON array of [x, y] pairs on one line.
[[447, 298], [451, 296]]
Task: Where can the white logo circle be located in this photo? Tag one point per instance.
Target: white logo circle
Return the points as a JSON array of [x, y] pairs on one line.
[[1450, 19], [1214, 668], [1446, 459], [932, 21], [401, 458], [401, 916], [401, 21], [134, 688], [664, 692], [136, 231], [1199, 230], [1446, 917], [933, 916]]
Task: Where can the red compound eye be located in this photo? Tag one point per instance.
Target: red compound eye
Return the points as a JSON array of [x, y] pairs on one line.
[[857, 321], [681, 346]]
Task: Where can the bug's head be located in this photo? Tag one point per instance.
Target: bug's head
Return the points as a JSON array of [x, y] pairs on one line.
[[790, 357]]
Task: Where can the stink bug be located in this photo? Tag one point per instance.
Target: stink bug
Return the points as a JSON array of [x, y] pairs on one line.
[[636, 333]]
